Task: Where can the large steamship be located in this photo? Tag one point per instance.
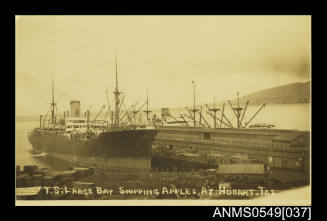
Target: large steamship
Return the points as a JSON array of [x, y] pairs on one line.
[[116, 144]]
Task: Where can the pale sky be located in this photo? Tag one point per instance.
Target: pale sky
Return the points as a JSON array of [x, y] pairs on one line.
[[222, 54]]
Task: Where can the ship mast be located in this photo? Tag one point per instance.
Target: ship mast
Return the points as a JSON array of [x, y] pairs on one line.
[[147, 107], [53, 104], [194, 110], [116, 93], [134, 113], [238, 110], [214, 110]]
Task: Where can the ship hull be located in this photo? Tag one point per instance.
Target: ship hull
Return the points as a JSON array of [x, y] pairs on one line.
[[123, 150]]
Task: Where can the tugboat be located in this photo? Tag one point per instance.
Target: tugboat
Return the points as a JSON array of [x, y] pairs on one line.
[[117, 145]]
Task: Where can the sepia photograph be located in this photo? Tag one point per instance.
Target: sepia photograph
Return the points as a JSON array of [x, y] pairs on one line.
[[163, 110]]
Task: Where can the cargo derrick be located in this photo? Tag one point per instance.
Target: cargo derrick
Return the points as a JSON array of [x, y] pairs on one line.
[[238, 111], [194, 110], [147, 111], [214, 110]]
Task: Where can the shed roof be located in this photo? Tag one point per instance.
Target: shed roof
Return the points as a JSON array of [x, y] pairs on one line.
[[282, 135]]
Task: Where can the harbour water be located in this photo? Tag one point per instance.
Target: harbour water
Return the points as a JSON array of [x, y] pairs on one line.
[[283, 116], [24, 150]]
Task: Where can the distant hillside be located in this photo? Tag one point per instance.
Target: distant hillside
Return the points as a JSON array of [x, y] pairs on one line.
[[285, 94]]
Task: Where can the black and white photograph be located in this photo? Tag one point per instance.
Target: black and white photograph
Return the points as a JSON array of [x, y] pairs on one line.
[[163, 110]]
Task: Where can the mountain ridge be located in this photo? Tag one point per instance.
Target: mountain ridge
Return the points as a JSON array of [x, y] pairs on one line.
[[298, 92]]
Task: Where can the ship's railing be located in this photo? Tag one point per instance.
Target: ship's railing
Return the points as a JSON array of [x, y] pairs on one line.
[[233, 143]]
